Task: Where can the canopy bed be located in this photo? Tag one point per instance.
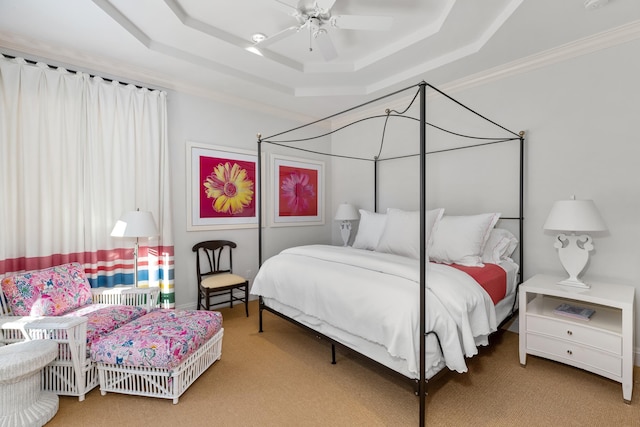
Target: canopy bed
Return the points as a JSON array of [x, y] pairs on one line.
[[364, 297]]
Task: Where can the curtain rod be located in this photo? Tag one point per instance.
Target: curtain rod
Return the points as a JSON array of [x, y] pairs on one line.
[[32, 62]]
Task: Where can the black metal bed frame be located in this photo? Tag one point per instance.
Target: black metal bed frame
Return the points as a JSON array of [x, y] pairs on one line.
[[421, 383]]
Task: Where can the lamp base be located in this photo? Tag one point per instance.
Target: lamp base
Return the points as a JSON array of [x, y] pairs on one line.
[[345, 232], [573, 251], [575, 283], [135, 265]]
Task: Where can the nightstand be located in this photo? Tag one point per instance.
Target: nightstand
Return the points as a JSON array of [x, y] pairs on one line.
[[602, 345]]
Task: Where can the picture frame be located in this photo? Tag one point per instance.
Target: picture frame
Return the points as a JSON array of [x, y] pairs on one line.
[[297, 191], [222, 187]]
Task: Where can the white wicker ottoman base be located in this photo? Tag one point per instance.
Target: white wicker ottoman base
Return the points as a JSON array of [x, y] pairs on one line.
[[160, 382]]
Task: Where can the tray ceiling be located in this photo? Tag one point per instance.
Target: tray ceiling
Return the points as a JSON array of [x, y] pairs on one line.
[[205, 47]]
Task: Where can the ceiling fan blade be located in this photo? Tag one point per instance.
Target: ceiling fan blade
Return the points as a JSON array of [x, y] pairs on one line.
[[290, 7], [358, 22], [325, 4], [278, 36], [327, 49]]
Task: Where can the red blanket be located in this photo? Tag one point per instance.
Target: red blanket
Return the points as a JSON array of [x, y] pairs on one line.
[[491, 277]]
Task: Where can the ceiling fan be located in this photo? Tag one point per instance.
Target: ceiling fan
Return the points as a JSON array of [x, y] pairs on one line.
[[316, 16]]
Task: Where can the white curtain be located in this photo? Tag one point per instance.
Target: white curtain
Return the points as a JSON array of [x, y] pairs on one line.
[[76, 152]]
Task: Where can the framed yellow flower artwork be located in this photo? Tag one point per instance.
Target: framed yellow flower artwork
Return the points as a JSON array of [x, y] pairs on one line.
[[223, 187], [298, 196]]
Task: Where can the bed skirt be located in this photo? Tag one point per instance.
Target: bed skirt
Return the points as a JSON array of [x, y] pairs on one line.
[[376, 352]]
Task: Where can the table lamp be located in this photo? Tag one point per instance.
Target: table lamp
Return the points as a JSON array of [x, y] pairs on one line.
[[346, 213], [573, 249], [135, 224]]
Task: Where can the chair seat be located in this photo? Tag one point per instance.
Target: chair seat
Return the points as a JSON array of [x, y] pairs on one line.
[[214, 270], [222, 280]]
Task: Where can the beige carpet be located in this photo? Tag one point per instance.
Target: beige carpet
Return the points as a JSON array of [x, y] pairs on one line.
[[283, 377]]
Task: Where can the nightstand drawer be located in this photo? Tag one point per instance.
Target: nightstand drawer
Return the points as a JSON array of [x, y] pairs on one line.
[[573, 333], [574, 354]]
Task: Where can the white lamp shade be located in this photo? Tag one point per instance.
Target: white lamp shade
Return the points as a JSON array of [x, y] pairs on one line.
[[346, 212], [135, 224], [575, 215]]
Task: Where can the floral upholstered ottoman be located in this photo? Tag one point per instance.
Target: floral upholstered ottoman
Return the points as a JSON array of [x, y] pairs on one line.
[[160, 354]]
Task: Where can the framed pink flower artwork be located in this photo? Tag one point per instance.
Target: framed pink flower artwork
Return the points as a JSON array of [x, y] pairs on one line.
[[298, 191], [223, 191]]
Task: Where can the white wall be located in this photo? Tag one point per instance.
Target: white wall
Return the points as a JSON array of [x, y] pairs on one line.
[[201, 120], [580, 117]]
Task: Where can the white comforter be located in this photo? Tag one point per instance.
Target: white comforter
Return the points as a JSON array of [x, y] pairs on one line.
[[376, 296]]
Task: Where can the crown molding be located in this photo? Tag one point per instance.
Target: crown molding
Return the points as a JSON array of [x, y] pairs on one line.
[[97, 65], [584, 46], [66, 58]]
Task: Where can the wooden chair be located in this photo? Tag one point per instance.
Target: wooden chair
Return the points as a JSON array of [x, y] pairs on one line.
[[215, 277]]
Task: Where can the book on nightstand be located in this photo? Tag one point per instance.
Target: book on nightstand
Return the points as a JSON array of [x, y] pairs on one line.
[[574, 311]]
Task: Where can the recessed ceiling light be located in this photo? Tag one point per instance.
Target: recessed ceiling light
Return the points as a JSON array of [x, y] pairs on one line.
[[258, 37]]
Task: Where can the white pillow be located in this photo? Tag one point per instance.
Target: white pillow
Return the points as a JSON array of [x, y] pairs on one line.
[[401, 234], [433, 219], [499, 246], [370, 229], [461, 239]]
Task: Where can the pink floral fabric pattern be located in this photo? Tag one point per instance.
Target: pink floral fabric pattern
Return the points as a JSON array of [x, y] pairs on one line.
[[49, 292], [104, 318], [160, 339]]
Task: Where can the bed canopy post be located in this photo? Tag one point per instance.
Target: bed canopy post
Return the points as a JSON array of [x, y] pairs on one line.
[[521, 213], [259, 209], [422, 386], [259, 198], [375, 184]]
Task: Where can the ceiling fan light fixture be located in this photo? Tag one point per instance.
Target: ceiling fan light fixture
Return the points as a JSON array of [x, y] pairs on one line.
[[319, 32], [316, 17], [258, 37]]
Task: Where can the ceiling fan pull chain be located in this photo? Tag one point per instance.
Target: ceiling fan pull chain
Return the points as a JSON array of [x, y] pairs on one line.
[[310, 39]]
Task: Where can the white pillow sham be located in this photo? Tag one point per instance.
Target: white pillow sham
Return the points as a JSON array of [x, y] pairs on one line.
[[401, 234], [499, 246], [370, 229], [433, 218], [461, 239]]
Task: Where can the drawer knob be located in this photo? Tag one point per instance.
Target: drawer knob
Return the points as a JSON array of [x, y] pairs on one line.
[[569, 333], [569, 352]]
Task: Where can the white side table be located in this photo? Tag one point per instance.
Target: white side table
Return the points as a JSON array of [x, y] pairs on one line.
[[22, 401], [602, 345], [70, 373]]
